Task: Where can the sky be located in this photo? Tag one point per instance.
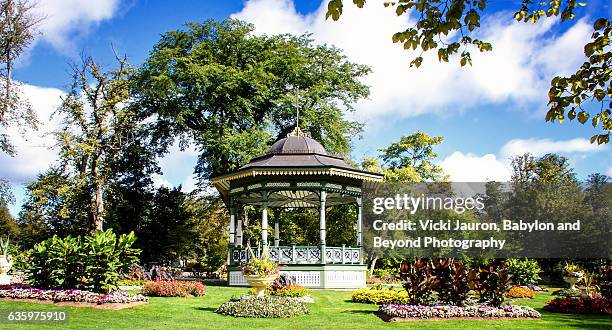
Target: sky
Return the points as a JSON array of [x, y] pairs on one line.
[[486, 113]]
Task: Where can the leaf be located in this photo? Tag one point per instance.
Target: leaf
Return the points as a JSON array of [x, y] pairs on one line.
[[600, 23]]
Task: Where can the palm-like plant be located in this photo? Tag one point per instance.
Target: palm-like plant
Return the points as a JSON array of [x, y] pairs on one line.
[[4, 246]]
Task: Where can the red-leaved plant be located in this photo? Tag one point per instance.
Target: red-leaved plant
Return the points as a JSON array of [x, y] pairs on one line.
[[174, 288]]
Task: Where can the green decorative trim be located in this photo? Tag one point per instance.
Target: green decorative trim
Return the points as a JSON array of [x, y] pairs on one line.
[[313, 268]]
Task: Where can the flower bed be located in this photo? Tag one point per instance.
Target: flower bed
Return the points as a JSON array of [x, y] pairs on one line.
[[586, 305], [520, 292], [263, 307], [116, 297], [380, 296], [394, 312], [174, 289], [292, 290], [383, 280]]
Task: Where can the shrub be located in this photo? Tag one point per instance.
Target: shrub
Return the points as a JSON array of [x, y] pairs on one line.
[[426, 312], [263, 307], [520, 292], [386, 273], [263, 266], [288, 291], [524, 271], [76, 262], [380, 296], [132, 282], [585, 305], [569, 293], [174, 288]]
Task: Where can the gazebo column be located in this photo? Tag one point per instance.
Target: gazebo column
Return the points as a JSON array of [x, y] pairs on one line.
[[239, 232], [359, 233], [232, 225], [322, 224], [276, 233], [264, 219]]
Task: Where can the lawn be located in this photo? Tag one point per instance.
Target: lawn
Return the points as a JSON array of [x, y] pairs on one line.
[[331, 310]]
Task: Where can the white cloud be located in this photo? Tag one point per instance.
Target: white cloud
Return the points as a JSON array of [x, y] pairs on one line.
[[609, 172], [472, 168], [65, 20], [469, 167], [540, 147], [177, 168], [33, 148], [160, 181], [524, 58]]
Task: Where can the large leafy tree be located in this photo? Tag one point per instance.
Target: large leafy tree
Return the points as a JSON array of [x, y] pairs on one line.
[[232, 93], [97, 127], [17, 30], [450, 27], [101, 145], [411, 159]]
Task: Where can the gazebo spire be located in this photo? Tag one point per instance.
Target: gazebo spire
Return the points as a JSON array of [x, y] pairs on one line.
[[297, 131]]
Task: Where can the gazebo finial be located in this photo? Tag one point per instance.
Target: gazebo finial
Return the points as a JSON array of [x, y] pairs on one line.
[[297, 131]]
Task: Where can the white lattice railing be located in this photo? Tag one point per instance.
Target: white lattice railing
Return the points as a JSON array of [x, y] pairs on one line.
[[300, 255]]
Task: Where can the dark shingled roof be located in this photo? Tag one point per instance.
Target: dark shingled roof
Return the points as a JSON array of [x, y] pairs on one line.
[[297, 150]]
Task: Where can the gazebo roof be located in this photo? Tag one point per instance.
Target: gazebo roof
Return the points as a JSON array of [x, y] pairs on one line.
[[296, 154], [297, 150]]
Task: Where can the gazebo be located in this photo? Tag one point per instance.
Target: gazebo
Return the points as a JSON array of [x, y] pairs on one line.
[[297, 172]]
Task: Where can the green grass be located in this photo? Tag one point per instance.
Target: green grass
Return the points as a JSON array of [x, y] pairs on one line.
[[331, 310]]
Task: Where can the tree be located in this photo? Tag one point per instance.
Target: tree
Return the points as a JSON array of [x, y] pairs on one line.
[[233, 93], [57, 202], [449, 26], [411, 159], [97, 127], [598, 191], [6, 193], [17, 30]]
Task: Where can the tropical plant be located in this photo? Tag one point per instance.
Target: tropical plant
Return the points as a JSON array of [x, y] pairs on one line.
[[262, 266], [572, 270], [524, 271], [441, 280], [106, 257], [4, 246], [590, 288], [417, 282], [604, 280], [74, 262], [491, 283]]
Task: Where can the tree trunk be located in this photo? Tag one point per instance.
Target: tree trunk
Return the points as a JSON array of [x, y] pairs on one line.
[[99, 209], [372, 265]]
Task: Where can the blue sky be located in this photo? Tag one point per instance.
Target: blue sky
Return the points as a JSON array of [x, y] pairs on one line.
[[486, 113]]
